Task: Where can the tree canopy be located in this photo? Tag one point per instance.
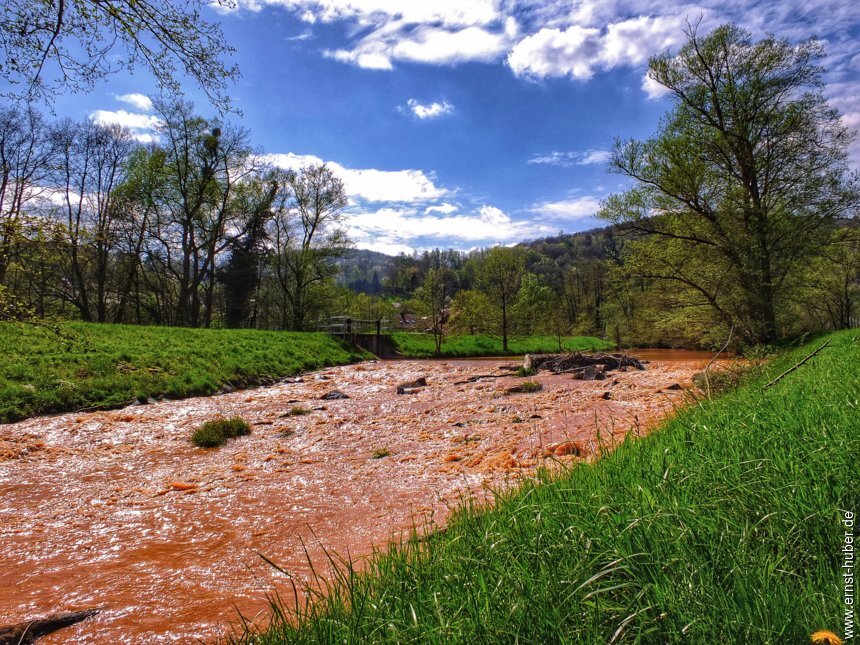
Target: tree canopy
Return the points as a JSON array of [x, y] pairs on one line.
[[51, 46], [742, 183]]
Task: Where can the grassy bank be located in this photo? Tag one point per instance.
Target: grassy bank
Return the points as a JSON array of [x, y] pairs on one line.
[[413, 345], [722, 526], [102, 366]]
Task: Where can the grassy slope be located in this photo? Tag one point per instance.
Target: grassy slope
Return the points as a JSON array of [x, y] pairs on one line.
[[413, 345], [109, 365], [723, 526]]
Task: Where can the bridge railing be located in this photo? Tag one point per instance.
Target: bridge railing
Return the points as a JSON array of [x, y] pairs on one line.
[[347, 326]]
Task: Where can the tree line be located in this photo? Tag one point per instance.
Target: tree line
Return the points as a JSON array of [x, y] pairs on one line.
[[192, 230]]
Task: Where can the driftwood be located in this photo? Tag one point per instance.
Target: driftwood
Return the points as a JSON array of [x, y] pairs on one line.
[[27, 632], [475, 379], [791, 369], [578, 362]]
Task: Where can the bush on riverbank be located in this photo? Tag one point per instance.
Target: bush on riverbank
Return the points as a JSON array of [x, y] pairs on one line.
[[415, 345], [105, 366], [725, 525]]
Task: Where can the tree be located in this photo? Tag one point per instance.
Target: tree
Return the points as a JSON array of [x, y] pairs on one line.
[[91, 165], [242, 275], [51, 46], [499, 277], [25, 161], [434, 294], [470, 311], [307, 238], [205, 161], [739, 188]]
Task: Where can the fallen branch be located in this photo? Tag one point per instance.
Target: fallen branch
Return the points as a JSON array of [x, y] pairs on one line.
[[28, 632], [473, 379], [791, 369]]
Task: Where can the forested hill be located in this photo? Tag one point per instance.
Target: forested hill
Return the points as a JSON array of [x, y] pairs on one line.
[[547, 255]]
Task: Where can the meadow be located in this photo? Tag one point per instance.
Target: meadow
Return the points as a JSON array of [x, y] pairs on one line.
[[76, 366], [723, 525], [416, 345]]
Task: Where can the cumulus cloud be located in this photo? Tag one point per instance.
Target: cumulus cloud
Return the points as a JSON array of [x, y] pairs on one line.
[[555, 38], [425, 111], [143, 126], [428, 44], [130, 120], [575, 209], [414, 229], [370, 184], [138, 101], [567, 159], [445, 208], [579, 52]]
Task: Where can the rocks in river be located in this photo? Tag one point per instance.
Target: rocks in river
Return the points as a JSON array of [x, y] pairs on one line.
[[412, 387], [590, 373], [334, 395], [564, 448]]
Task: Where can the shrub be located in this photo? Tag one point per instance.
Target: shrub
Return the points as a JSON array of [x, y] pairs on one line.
[[525, 388], [298, 412], [379, 453], [216, 431], [525, 371]]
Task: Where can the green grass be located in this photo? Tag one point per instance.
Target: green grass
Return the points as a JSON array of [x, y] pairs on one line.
[[414, 345], [105, 366], [216, 431], [722, 526]]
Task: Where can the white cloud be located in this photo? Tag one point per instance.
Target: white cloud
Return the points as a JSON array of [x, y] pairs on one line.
[[556, 38], [568, 209], [426, 111], [130, 120], [579, 52], [445, 12], [143, 126], [568, 159], [138, 101], [652, 88], [408, 227], [371, 184], [426, 44], [445, 208], [146, 137]]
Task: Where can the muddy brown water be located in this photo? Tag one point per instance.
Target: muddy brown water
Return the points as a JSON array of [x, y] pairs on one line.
[[119, 510]]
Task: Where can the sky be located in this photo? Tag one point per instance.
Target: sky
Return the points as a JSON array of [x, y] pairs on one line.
[[467, 123]]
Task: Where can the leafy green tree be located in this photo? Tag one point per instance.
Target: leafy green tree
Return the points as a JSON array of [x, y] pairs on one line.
[[470, 311], [739, 188], [533, 308], [500, 277]]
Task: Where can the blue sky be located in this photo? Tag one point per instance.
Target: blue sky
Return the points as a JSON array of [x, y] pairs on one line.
[[465, 123]]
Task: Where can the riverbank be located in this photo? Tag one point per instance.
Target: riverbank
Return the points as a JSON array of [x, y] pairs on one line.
[[118, 509], [75, 366], [726, 525]]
